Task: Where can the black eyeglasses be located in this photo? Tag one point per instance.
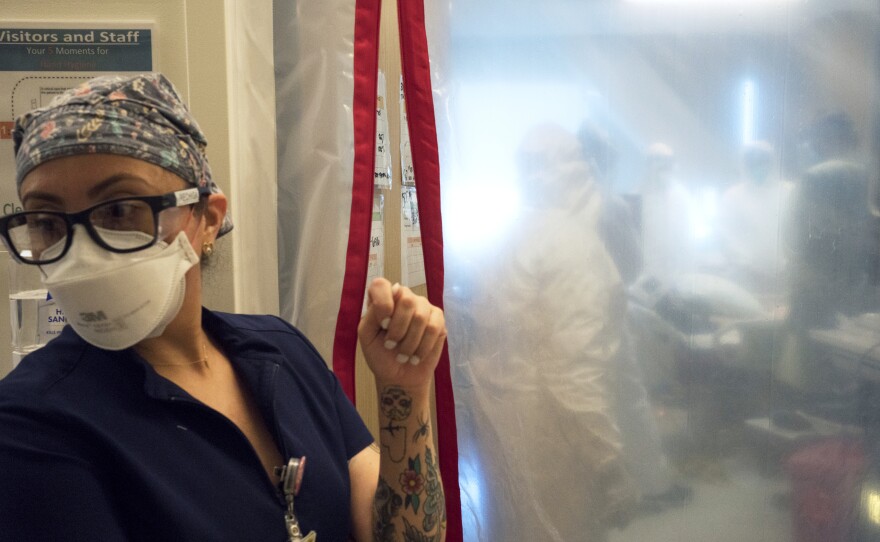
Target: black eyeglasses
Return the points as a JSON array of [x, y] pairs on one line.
[[121, 225]]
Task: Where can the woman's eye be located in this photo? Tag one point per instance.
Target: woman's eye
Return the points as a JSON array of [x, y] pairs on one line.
[[114, 213], [123, 215], [119, 210], [44, 225]]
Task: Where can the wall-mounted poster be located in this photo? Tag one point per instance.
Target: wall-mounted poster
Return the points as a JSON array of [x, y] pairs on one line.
[[41, 60], [412, 263], [382, 172], [407, 173], [376, 258]]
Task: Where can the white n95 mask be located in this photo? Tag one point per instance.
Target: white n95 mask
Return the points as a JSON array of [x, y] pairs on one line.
[[114, 301]]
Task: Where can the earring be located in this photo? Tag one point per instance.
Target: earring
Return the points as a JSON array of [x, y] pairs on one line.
[[207, 249]]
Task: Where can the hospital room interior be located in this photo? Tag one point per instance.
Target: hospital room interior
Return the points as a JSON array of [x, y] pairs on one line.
[[654, 229]]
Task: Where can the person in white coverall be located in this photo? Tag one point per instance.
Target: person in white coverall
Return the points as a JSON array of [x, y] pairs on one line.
[[542, 395], [753, 213]]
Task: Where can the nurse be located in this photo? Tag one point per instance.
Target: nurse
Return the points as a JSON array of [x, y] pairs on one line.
[[153, 418]]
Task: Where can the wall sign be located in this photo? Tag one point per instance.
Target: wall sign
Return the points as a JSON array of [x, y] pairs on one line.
[[41, 60]]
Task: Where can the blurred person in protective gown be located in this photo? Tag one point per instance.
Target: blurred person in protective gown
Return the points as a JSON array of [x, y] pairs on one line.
[[665, 229], [642, 446], [540, 437], [752, 213], [666, 218]]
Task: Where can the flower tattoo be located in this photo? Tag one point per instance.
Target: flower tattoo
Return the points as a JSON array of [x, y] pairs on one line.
[[413, 484]]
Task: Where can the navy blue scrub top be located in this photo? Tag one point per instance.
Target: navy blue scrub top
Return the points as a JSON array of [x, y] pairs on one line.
[[95, 445]]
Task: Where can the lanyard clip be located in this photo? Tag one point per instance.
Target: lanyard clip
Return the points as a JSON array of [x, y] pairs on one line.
[[291, 478]]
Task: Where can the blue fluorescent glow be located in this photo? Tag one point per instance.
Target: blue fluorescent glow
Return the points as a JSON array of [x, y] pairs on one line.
[[748, 112]]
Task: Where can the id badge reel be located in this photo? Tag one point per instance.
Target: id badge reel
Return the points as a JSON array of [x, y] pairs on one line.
[[291, 478]]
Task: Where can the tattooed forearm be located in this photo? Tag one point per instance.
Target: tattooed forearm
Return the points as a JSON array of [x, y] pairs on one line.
[[385, 533], [421, 485], [409, 504]]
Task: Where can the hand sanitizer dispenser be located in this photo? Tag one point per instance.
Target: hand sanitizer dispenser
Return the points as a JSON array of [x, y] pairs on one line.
[[33, 314]]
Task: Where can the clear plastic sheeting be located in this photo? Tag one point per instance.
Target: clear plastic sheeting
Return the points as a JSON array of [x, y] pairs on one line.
[[314, 48], [662, 267]]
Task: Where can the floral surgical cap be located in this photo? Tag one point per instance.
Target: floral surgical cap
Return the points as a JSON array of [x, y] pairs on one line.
[[140, 116]]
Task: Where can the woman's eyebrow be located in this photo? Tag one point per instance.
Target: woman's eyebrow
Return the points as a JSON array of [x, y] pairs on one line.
[[113, 179], [95, 191], [42, 196]]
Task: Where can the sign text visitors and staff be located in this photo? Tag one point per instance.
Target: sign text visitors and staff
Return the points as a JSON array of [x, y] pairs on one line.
[[100, 49], [75, 36]]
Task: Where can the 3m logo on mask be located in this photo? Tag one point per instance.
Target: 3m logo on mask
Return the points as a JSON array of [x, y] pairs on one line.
[[114, 301], [92, 316]]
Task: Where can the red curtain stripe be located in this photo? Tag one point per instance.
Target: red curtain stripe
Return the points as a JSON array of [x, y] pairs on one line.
[[366, 67], [426, 166], [416, 70]]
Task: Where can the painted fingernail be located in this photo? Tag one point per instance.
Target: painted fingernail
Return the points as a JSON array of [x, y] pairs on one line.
[[390, 345], [385, 323], [415, 360], [402, 358]]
